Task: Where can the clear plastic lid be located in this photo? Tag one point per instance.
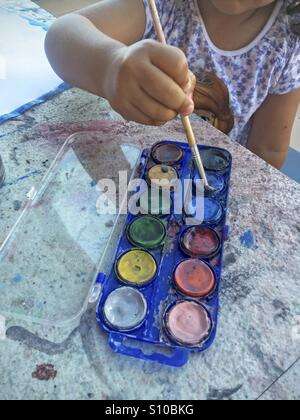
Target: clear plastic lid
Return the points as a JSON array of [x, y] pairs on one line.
[[51, 258]]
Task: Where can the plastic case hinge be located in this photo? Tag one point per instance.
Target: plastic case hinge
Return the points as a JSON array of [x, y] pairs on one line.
[[97, 289]]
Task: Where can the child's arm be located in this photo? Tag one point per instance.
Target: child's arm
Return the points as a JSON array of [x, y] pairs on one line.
[[98, 49], [272, 127]]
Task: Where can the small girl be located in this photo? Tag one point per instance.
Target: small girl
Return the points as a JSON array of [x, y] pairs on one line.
[[110, 50]]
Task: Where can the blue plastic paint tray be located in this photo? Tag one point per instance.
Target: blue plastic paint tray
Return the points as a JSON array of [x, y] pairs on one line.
[[152, 338]]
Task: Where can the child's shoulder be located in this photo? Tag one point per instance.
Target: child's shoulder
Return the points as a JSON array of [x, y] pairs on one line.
[[283, 25], [285, 45]]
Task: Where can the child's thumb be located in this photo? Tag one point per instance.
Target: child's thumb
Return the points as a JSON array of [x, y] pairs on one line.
[[190, 85], [188, 106]]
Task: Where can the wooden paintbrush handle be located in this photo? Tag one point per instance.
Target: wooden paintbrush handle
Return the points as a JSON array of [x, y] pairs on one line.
[[156, 22], [161, 37], [189, 131]]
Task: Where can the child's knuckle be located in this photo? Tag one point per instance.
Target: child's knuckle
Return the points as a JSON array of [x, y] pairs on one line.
[[126, 67], [156, 113], [167, 115], [181, 72], [168, 93], [182, 63], [149, 45], [162, 114]]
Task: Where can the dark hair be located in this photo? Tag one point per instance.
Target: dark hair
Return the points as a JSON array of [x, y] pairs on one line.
[[293, 10]]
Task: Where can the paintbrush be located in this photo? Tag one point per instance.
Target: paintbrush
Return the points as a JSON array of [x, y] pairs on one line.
[[185, 120]]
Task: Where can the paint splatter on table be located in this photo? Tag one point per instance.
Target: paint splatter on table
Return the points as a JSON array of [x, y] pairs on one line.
[[44, 373]]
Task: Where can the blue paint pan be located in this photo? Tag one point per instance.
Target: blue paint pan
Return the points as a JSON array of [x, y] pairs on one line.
[[213, 211], [216, 181]]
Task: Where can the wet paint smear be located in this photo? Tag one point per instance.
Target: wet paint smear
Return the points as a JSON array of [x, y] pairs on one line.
[[173, 229], [44, 372], [188, 323], [215, 159], [125, 309], [147, 232], [200, 242], [215, 181], [248, 239], [136, 267], [194, 278], [162, 176], [172, 232], [18, 278], [167, 153]]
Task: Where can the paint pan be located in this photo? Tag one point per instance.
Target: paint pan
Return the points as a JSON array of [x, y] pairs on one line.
[[213, 211], [194, 278], [136, 268], [214, 180], [167, 153], [200, 241], [188, 323], [216, 160], [162, 176], [147, 232], [125, 309], [158, 206]]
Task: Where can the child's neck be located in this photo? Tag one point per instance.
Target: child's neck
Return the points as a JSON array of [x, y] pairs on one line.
[[231, 33]]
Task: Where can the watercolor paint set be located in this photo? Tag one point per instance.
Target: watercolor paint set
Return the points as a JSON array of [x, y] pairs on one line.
[[160, 301], [155, 276]]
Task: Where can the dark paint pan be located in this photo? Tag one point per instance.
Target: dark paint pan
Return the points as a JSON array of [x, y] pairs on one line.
[[166, 153], [147, 232], [216, 160], [200, 242]]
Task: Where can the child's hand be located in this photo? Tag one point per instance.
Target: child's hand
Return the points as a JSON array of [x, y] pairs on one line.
[[150, 83]]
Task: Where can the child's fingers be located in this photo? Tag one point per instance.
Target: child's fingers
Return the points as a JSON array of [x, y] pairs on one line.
[[164, 90], [150, 107], [189, 91], [190, 85], [131, 112], [170, 60], [142, 118], [185, 111]]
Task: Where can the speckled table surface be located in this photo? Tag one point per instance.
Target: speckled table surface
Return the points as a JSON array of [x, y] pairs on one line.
[[256, 354]]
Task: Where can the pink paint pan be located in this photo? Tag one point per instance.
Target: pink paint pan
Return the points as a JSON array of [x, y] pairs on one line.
[[188, 323]]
